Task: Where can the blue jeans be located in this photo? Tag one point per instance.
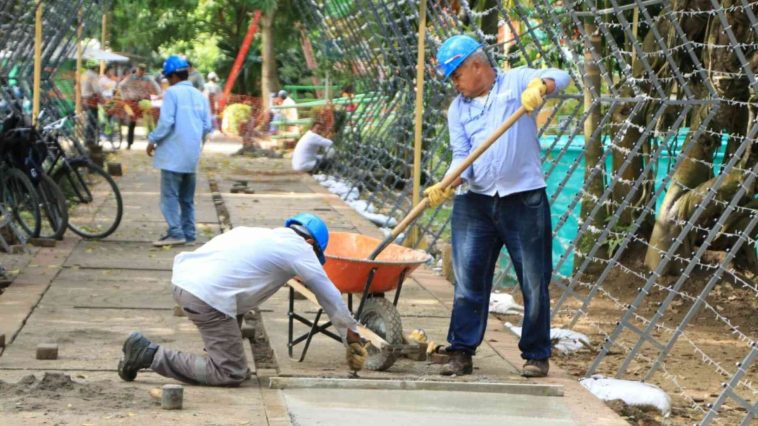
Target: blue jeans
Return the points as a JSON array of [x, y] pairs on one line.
[[481, 225], [178, 204]]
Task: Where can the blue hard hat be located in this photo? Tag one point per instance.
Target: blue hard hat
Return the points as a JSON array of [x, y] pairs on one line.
[[173, 64], [453, 52], [315, 227]]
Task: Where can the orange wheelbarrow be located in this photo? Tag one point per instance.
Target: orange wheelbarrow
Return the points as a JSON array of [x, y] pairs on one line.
[[351, 272]]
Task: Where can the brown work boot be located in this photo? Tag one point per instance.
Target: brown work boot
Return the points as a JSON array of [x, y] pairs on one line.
[[460, 363], [536, 368]]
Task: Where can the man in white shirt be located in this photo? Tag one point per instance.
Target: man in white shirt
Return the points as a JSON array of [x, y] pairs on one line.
[[92, 96], [306, 155], [226, 278], [290, 114]]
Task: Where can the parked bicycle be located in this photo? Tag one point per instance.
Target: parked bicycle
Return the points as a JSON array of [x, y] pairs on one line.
[[94, 200]]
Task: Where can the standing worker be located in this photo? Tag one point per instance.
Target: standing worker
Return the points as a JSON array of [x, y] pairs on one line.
[[505, 204], [177, 141], [212, 92], [288, 111], [92, 97], [134, 88], [227, 277], [196, 77]]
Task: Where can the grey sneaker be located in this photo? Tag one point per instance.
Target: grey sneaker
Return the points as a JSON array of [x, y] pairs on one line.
[[536, 368], [168, 241], [138, 354], [460, 363]]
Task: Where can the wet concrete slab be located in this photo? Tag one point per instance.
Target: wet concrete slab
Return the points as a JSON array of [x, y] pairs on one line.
[[382, 407]]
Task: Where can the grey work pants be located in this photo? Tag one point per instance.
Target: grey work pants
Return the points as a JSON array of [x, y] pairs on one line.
[[225, 364]]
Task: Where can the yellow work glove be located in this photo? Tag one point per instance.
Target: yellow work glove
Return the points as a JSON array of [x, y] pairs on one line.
[[355, 355], [437, 195], [532, 96]]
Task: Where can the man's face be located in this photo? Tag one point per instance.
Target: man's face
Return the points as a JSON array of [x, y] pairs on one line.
[[468, 79], [140, 72]]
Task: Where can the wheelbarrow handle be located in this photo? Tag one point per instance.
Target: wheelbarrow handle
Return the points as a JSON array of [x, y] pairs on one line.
[[447, 181]]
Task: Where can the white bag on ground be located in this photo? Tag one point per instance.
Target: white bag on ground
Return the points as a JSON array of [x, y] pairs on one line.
[[631, 392], [564, 341], [503, 303]]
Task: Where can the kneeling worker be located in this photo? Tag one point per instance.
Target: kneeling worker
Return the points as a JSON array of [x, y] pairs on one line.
[[227, 277]]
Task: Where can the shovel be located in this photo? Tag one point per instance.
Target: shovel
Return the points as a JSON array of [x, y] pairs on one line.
[[446, 181]]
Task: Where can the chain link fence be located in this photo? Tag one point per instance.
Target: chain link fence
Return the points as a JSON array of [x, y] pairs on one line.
[[650, 157]]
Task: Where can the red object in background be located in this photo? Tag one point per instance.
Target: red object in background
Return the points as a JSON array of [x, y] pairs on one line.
[[251, 30]]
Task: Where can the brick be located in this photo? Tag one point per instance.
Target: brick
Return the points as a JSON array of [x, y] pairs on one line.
[[114, 169], [42, 242], [248, 331], [47, 351]]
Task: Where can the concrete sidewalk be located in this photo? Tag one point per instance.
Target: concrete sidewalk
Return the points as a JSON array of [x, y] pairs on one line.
[[88, 295]]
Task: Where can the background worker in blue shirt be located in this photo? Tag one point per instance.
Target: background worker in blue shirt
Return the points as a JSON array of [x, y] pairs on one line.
[[506, 203], [177, 141]]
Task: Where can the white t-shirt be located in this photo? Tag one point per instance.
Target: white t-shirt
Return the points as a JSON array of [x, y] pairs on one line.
[[237, 271], [290, 114], [305, 156]]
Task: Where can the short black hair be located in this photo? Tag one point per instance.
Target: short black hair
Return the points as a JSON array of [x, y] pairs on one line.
[[189, 63], [181, 74]]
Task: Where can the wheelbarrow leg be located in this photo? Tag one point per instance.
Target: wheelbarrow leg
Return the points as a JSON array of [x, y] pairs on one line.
[[314, 330], [399, 286], [365, 293], [291, 320]]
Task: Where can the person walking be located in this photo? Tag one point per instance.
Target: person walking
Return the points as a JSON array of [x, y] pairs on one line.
[[212, 92], [134, 88], [505, 204], [227, 277], [92, 97], [176, 142]]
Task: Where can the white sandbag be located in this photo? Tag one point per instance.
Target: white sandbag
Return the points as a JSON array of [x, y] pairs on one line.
[[633, 393]]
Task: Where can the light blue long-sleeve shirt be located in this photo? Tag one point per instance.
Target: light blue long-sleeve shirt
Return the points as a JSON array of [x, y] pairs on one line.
[[512, 164], [184, 122]]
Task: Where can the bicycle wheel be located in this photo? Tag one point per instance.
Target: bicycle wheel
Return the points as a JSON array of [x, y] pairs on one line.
[[53, 209], [94, 200], [21, 198]]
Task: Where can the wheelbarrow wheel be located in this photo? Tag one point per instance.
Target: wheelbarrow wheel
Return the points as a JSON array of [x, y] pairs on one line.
[[380, 316]]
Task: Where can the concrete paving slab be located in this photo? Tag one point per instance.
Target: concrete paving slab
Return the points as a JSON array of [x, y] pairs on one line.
[[111, 289], [145, 206], [148, 231], [325, 356], [123, 255], [91, 339], [382, 407]]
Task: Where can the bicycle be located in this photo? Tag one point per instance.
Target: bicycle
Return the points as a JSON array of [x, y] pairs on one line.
[[94, 200]]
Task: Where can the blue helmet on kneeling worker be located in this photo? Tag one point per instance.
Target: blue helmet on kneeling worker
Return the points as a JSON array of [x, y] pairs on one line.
[[310, 225]]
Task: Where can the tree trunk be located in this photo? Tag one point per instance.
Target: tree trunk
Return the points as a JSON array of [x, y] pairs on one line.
[[593, 151], [694, 176], [269, 77]]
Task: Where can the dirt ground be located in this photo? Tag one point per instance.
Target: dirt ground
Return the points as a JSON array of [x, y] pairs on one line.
[[57, 392], [690, 380]]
